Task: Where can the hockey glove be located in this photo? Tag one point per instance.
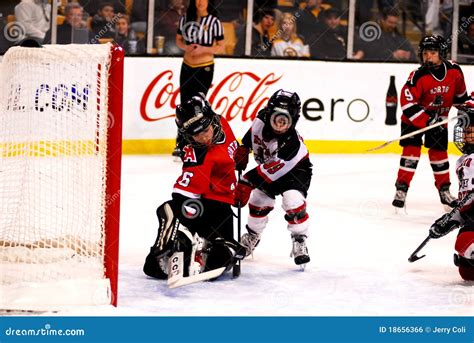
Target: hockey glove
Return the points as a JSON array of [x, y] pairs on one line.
[[241, 157], [242, 193], [443, 225]]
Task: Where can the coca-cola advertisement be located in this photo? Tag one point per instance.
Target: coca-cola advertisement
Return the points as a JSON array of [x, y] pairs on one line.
[[339, 101]]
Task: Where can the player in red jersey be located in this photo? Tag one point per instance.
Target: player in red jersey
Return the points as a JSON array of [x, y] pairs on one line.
[[199, 218], [426, 99]]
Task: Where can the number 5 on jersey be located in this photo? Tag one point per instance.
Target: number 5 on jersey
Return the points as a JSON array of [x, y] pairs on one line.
[[185, 179]]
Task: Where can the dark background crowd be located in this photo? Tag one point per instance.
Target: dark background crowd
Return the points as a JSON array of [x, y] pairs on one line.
[[383, 30]]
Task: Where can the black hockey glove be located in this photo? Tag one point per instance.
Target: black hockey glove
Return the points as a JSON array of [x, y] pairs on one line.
[[443, 225]]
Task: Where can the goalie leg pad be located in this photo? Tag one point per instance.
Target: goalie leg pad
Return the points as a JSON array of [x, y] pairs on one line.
[[156, 263], [294, 203], [260, 206], [168, 228], [156, 266]]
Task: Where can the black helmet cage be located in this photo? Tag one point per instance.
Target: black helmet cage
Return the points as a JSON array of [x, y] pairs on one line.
[[435, 43], [195, 116], [463, 129], [283, 105]]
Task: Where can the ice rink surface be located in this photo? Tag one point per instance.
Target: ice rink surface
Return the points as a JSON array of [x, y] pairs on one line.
[[358, 246]]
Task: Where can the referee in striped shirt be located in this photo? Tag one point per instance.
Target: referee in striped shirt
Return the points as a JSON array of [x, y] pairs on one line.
[[201, 36]]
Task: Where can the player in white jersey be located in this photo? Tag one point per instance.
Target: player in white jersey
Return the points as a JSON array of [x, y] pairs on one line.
[[283, 169], [462, 216]]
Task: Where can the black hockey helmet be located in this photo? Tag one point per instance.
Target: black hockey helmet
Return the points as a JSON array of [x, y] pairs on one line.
[[464, 131], [283, 106], [435, 43], [194, 116]]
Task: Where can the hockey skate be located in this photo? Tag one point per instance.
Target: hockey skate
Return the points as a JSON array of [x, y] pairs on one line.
[[300, 251], [250, 240], [400, 195], [446, 198]]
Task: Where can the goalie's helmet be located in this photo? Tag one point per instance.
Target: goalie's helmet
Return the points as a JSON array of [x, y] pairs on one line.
[[434, 43], [195, 116], [283, 111], [464, 131]]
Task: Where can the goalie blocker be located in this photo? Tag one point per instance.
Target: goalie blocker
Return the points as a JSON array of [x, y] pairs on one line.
[[197, 254]]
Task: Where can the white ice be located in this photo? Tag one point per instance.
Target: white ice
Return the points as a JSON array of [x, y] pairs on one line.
[[358, 247]]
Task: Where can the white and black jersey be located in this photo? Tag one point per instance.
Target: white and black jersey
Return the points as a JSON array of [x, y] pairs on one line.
[[283, 161], [203, 32]]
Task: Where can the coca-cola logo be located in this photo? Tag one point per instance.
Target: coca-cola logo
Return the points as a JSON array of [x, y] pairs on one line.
[[239, 94]]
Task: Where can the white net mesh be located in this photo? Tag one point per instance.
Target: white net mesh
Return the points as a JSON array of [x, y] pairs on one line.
[[53, 144]]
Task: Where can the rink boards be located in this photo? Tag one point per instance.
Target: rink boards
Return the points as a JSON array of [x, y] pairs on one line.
[[343, 103]]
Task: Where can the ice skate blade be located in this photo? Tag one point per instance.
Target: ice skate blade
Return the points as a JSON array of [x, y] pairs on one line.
[[302, 266]]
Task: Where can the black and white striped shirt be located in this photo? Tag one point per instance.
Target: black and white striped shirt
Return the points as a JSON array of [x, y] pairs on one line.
[[204, 32]]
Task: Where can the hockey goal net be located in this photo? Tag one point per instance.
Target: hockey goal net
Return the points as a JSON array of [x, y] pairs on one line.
[[60, 156]]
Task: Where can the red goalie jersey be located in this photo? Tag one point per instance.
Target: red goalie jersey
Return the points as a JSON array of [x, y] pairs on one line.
[[208, 172]]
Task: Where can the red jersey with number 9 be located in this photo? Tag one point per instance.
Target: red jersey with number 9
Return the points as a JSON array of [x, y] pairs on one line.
[[208, 172], [424, 92]]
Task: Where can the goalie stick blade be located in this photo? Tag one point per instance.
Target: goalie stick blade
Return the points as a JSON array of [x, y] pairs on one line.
[[179, 282]]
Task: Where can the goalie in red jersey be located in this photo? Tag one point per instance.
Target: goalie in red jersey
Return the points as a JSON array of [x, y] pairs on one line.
[[199, 218], [426, 99]]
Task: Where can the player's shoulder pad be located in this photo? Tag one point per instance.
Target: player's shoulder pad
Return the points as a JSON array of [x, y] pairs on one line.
[[452, 65], [261, 114], [193, 156], [416, 75]]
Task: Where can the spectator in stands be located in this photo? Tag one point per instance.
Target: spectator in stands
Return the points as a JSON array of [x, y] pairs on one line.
[[389, 45], [103, 23], [261, 44], [466, 40], [92, 7], [332, 41], [287, 43], [168, 26], [34, 17], [74, 29], [127, 38], [308, 19]]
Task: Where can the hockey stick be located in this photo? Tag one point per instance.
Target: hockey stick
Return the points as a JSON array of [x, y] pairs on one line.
[[236, 269], [176, 279], [408, 135], [446, 218], [413, 257]]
